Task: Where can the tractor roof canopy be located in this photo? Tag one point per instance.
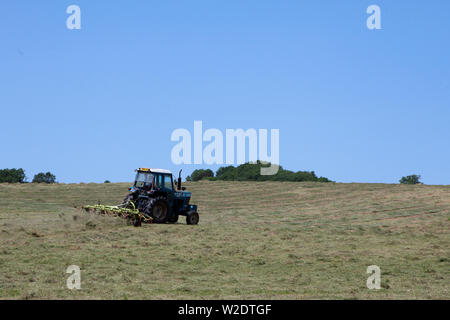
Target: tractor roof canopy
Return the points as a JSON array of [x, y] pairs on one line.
[[153, 170]]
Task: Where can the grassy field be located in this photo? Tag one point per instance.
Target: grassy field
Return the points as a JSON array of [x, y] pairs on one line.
[[266, 240]]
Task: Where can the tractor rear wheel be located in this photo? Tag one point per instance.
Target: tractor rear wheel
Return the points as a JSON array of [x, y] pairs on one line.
[[158, 209], [192, 217]]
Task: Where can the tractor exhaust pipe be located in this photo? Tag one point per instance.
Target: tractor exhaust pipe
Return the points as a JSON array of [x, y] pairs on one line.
[[179, 180]]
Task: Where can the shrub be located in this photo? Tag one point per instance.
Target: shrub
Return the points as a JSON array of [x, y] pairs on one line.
[[44, 178], [199, 174], [412, 179]]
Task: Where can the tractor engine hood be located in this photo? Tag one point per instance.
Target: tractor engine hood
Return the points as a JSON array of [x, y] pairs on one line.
[[182, 194]]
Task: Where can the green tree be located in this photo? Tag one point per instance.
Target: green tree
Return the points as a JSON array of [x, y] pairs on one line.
[[226, 173], [12, 175], [412, 179], [199, 174], [44, 178]]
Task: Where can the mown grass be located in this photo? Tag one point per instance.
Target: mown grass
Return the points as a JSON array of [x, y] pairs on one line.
[[255, 240]]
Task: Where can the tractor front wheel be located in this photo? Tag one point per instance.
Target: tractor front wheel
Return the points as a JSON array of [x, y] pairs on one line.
[[192, 217]]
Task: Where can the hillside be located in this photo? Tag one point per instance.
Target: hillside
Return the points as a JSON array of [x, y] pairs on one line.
[[275, 240]]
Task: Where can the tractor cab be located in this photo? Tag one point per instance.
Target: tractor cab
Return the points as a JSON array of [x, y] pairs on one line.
[[153, 179], [143, 180]]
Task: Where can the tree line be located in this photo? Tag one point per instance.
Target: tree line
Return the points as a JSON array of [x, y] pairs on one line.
[[18, 176], [244, 172], [252, 172]]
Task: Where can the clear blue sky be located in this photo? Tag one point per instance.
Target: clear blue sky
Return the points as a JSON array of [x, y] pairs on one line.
[[354, 105]]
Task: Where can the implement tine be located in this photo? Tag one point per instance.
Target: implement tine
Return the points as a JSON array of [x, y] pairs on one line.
[[121, 211]]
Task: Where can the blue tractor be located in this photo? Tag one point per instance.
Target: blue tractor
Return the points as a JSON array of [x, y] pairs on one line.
[[154, 195]]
